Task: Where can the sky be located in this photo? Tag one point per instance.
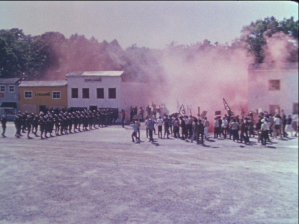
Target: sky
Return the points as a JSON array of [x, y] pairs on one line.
[[152, 24]]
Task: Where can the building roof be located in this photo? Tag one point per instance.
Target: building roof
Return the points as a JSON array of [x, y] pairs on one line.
[[95, 73], [9, 80], [273, 66], [43, 83]]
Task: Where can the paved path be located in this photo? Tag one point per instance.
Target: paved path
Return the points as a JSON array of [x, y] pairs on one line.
[[100, 176]]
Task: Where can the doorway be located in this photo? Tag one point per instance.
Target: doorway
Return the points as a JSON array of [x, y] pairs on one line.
[[42, 108], [92, 108]]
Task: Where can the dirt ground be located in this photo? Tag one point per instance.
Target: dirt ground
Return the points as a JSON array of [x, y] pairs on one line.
[[100, 176]]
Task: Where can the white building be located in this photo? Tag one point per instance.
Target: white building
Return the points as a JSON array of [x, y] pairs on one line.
[[273, 89], [9, 97], [94, 89], [104, 89]]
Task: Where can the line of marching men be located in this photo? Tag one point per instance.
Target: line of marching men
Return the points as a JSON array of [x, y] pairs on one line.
[[61, 123]]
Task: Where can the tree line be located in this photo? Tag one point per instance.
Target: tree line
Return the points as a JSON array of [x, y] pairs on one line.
[[51, 55]]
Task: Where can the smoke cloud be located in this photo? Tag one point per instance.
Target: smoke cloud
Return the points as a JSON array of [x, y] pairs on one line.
[[199, 75], [280, 48], [202, 78]]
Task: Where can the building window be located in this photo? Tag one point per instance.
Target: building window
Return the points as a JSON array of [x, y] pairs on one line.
[[274, 84], [2, 88], [295, 108], [112, 93], [85, 93], [100, 93], [74, 92], [11, 88], [274, 109], [56, 94], [28, 94]]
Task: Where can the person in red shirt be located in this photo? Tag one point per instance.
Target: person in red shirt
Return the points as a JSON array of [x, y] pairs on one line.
[[123, 116]]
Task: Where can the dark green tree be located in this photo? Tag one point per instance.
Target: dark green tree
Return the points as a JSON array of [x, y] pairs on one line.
[[254, 34]]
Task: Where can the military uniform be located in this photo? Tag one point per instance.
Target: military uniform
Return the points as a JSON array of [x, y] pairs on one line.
[[28, 125]]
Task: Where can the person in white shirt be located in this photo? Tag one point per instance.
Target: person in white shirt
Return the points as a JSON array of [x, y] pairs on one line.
[[216, 127], [277, 124], [264, 129], [206, 124], [146, 126], [234, 128], [135, 130], [295, 124], [224, 126], [271, 125], [160, 123], [288, 127]]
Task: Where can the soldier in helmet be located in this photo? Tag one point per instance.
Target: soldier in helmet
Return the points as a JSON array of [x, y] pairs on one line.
[[23, 121], [90, 120], [28, 125], [46, 124], [101, 119], [62, 123], [78, 115], [80, 120], [41, 126], [70, 122], [65, 124], [34, 124], [3, 123], [56, 123], [75, 121], [98, 118], [93, 119], [18, 124], [85, 121], [51, 124]]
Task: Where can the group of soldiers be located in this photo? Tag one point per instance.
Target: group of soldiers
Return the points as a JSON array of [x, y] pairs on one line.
[[61, 122]]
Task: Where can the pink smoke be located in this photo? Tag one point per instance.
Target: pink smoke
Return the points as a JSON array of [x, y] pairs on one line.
[[202, 79]]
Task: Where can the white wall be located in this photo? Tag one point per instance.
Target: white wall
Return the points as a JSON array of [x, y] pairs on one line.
[[107, 82], [261, 97]]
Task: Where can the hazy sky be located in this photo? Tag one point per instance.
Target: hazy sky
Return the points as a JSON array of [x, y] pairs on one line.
[[150, 24]]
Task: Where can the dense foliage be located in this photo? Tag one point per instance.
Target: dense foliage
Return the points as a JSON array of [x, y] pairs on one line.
[[51, 55], [256, 33]]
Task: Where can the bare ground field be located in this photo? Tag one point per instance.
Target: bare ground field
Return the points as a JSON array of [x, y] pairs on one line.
[[100, 176]]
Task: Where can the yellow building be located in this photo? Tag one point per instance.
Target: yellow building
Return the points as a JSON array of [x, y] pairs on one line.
[[36, 96]]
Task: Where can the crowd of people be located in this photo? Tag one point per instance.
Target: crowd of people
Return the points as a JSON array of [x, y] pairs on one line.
[[58, 122], [239, 129], [154, 110]]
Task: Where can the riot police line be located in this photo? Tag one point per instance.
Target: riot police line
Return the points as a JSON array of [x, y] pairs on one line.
[[60, 122]]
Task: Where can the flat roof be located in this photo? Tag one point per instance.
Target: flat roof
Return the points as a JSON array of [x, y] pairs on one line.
[[43, 83], [9, 80], [95, 73], [273, 66]]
